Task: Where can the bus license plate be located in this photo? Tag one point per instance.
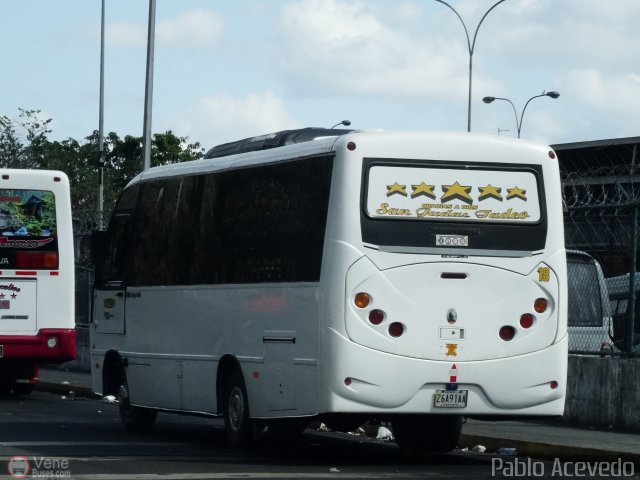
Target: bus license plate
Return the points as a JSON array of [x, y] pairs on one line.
[[450, 398]]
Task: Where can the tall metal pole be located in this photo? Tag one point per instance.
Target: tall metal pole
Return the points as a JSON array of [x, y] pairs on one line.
[[148, 94], [471, 45], [101, 152]]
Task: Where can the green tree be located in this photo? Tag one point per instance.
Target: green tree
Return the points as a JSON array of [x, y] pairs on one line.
[[23, 142]]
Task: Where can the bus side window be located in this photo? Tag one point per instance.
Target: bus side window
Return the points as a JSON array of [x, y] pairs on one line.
[[115, 258]]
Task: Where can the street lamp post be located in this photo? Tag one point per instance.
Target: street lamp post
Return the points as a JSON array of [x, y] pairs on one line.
[[471, 45], [101, 152], [148, 92], [551, 94]]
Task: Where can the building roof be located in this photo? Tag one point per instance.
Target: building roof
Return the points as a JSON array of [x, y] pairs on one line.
[[596, 143]]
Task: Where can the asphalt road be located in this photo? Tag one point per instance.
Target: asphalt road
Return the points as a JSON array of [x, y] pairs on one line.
[[83, 438]]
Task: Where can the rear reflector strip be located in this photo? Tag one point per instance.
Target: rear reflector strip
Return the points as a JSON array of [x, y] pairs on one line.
[[22, 273]]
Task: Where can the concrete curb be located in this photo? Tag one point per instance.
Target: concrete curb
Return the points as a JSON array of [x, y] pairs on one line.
[[547, 450], [65, 389]]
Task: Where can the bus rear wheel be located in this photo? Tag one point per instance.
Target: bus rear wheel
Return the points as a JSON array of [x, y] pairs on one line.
[[134, 419], [427, 433], [238, 425]]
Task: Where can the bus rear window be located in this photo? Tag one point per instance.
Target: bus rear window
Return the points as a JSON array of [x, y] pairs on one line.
[[452, 194], [429, 206], [28, 236]]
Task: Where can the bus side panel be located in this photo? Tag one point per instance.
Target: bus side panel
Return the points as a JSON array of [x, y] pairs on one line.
[[271, 330]]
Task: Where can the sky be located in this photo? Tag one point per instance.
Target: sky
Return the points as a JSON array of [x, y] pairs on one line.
[[225, 70]]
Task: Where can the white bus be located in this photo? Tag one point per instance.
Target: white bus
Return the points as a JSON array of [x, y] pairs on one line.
[[37, 319], [338, 275]]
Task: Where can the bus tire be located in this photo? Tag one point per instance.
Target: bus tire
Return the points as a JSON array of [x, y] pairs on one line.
[[23, 388], [135, 419], [427, 433], [239, 427]]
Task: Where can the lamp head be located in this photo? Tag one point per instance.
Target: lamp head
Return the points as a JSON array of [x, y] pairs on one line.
[[552, 94], [346, 123], [488, 99]]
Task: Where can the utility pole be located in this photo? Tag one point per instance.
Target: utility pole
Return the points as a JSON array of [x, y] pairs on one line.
[[148, 93]]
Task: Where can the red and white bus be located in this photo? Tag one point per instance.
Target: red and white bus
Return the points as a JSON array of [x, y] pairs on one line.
[[37, 323]]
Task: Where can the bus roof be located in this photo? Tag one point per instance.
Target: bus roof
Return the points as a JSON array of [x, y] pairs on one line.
[[273, 140], [287, 145]]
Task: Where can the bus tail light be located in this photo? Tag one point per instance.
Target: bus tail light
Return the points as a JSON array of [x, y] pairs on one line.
[[526, 320], [507, 333], [48, 260], [362, 300], [553, 384], [396, 329], [540, 305], [376, 317]]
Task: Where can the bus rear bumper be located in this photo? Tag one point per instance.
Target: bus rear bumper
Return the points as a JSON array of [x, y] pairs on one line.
[[50, 345], [365, 380]]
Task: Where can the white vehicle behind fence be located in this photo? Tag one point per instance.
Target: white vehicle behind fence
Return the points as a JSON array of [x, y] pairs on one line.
[[314, 274], [619, 293], [589, 314]]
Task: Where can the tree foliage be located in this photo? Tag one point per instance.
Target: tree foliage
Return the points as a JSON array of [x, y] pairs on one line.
[[24, 143]]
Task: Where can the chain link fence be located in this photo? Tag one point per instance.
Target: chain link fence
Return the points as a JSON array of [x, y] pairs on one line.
[[602, 243]]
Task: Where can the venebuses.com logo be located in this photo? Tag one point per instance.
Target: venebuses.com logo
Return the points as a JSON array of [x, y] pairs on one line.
[[38, 467], [18, 467]]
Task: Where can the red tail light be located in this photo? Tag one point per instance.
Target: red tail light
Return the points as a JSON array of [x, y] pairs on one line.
[[526, 320], [396, 329], [43, 260], [376, 316], [507, 333]]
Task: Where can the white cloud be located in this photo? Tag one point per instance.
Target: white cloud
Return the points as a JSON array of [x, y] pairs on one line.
[[125, 34], [223, 118], [340, 47], [196, 28], [199, 28], [618, 92]]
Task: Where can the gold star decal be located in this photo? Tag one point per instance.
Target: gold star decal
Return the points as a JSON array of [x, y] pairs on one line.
[[456, 191], [396, 188], [489, 192], [516, 192], [423, 189]]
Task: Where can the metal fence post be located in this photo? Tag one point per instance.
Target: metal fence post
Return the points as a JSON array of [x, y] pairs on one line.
[[631, 306]]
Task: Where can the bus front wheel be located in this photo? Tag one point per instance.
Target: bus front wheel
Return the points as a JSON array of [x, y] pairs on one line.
[[237, 423], [427, 433], [134, 419]]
